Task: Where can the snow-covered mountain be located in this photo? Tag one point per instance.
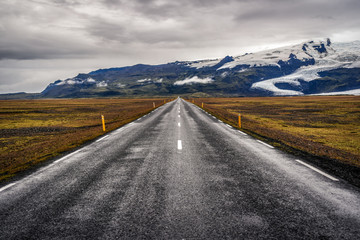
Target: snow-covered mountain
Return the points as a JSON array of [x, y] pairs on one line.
[[304, 52], [314, 67], [335, 56]]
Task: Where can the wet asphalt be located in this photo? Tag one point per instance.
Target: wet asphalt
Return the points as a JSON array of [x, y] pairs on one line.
[[179, 173]]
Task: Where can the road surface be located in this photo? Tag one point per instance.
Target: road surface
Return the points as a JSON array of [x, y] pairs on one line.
[[179, 173]]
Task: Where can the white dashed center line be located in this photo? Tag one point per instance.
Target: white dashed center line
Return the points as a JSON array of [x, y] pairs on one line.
[[179, 125], [179, 145]]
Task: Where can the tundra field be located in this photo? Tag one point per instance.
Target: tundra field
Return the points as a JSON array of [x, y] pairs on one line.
[[32, 131], [327, 128], [324, 127]]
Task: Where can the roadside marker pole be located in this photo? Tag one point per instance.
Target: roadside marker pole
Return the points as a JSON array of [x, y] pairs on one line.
[[239, 120], [193, 100], [103, 122], [154, 104], [202, 105]]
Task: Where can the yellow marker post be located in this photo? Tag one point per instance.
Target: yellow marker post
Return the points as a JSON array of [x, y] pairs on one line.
[[154, 104], [193, 101], [164, 101], [103, 122], [202, 105], [239, 120]]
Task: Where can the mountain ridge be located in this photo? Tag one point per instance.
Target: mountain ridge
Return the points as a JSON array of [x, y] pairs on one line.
[[306, 68]]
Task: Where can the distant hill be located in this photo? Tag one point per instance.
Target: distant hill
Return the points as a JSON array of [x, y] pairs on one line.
[[20, 95], [307, 68]]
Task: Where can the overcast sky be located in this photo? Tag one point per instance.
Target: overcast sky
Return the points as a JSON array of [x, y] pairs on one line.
[[45, 40]]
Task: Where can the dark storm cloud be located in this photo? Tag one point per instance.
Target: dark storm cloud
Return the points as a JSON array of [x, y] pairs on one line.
[[66, 28], [28, 30], [85, 33]]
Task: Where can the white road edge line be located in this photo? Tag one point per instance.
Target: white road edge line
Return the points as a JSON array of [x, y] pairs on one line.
[[102, 138], [41, 170], [317, 170], [74, 153], [57, 161], [119, 130], [67, 156], [265, 144], [179, 145], [61, 159], [7, 186], [242, 133]]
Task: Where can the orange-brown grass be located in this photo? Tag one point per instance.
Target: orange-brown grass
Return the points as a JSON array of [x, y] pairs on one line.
[[324, 126], [32, 131]]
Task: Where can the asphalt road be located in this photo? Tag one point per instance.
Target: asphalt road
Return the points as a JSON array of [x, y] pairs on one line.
[[179, 173]]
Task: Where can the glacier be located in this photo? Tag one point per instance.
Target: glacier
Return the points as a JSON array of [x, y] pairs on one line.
[[341, 55]]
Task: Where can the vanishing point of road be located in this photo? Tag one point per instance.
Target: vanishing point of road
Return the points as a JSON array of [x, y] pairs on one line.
[[179, 173]]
